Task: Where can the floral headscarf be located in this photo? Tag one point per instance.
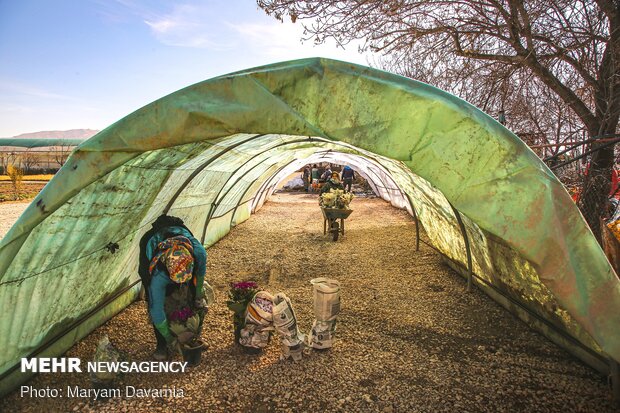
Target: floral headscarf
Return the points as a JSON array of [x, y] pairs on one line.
[[176, 254]]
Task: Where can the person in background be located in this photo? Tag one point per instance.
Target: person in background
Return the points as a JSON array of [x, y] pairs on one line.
[[332, 183], [306, 177], [613, 210], [327, 174], [348, 175], [170, 257], [315, 175]]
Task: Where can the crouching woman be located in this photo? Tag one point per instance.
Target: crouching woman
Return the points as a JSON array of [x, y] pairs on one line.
[[171, 261]]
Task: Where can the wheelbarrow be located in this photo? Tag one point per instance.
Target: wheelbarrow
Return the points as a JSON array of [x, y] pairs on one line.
[[331, 216]]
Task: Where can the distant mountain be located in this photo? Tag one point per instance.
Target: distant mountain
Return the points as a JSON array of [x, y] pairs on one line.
[[60, 134]]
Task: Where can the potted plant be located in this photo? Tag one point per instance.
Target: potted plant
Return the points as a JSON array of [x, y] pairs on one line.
[[336, 198], [105, 381], [185, 325], [239, 296]]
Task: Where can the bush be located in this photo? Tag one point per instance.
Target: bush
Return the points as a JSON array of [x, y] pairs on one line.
[[15, 174]]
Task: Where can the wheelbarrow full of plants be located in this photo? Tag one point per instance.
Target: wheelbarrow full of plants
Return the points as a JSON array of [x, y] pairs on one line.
[[331, 223], [335, 207]]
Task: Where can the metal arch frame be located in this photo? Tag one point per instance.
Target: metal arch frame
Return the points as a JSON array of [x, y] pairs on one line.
[[202, 167], [232, 218], [613, 365], [372, 161], [374, 185], [383, 169], [259, 193], [383, 184], [417, 223], [243, 194], [217, 201], [375, 163], [215, 157], [308, 139], [470, 269], [458, 219], [264, 188], [368, 158], [408, 197], [240, 203], [264, 185], [267, 185]]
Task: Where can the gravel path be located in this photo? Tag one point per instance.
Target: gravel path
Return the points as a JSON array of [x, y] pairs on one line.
[[9, 212], [410, 339]]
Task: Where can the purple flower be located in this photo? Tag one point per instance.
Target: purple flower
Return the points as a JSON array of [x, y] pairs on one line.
[[182, 315], [242, 291], [244, 285]]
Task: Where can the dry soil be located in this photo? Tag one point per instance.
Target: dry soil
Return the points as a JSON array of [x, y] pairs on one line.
[[410, 338]]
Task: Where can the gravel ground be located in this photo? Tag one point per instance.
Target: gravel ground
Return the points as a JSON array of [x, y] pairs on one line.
[[9, 212], [410, 338]]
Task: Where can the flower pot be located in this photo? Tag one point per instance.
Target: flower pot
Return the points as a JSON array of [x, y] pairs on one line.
[[192, 354]]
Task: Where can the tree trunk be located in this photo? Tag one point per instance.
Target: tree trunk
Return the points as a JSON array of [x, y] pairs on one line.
[[597, 183], [595, 189]]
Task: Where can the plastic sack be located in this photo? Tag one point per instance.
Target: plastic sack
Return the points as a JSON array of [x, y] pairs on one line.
[[285, 323], [105, 352], [326, 298], [260, 309], [326, 309], [255, 336], [207, 293], [322, 334], [258, 321]]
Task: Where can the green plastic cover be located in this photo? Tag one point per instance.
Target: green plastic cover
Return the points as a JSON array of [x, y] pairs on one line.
[[213, 152], [38, 142]]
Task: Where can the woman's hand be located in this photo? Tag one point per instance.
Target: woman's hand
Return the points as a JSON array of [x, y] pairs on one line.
[[200, 303]]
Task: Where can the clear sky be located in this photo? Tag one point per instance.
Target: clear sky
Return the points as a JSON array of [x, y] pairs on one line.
[[84, 64]]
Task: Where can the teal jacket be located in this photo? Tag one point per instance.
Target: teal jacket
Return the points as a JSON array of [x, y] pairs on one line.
[[160, 279]]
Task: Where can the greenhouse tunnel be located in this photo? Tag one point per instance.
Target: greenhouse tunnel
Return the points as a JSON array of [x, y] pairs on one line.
[[214, 152]]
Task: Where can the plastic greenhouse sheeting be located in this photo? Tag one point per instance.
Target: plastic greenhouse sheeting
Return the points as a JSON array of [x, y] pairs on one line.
[[213, 152], [37, 142]]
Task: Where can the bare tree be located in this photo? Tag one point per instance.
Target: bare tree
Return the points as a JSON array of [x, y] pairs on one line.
[[571, 47], [7, 158], [61, 153], [4, 161], [28, 159]]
